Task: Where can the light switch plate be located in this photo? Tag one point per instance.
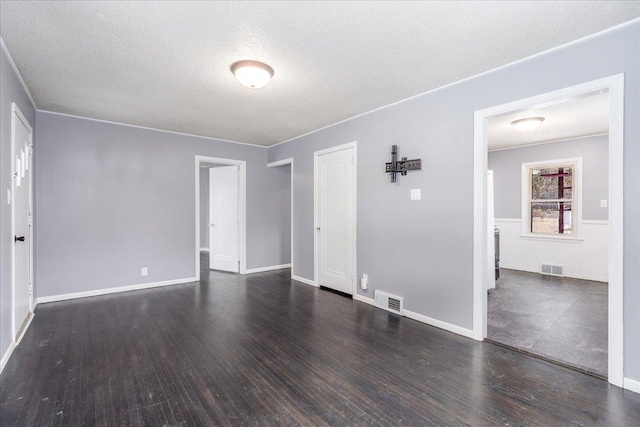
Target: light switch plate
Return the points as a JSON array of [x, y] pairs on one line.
[[8, 197], [416, 194], [603, 203]]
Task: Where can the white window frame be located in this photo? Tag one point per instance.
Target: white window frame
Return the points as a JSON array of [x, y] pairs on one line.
[[576, 193]]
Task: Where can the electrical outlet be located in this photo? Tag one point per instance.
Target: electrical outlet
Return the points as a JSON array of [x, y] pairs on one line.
[[364, 282], [144, 271], [416, 194], [603, 203]]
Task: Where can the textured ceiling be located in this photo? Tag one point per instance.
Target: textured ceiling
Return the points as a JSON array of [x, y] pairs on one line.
[[574, 118], [166, 64]]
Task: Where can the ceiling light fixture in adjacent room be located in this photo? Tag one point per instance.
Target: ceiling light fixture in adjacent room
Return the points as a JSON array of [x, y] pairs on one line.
[[252, 74], [527, 124]]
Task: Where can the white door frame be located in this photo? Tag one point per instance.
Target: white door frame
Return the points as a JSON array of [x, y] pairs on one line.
[[242, 208], [615, 86], [15, 111], [286, 162], [354, 249]]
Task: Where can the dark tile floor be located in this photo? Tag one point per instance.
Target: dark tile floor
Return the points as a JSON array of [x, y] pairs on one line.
[[557, 318]]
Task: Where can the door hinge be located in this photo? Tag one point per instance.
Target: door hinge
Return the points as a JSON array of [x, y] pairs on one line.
[[30, 220], [30, 289], [353, 160]]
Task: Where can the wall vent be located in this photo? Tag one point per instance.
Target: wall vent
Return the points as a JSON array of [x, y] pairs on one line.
[[552, 270], [389, 302]]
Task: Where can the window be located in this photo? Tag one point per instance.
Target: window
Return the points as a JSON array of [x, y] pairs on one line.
[[550, 202]]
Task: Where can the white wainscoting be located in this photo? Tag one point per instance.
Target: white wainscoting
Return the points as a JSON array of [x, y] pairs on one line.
[[584, 258]]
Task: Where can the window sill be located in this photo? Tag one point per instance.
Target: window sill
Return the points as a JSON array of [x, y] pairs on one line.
[[549, 238]]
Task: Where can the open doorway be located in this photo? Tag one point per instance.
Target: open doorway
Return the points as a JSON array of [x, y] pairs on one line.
[[285, 166], [548, 191], [220, 215], [560, 227]]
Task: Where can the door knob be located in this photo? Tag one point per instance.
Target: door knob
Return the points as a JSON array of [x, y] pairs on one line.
[[212, 225], [317, 228], [18, 239]]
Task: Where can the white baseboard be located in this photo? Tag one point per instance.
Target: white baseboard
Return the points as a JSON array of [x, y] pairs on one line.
[[303, 280], [573, 276], [24, 331], [204, 249], [64, 297], [269, 268], [439, 324], [364, 299], [631, 385], [6, 356], [422, 318]]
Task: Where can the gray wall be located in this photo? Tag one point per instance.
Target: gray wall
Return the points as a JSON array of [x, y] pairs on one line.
[[507, 173], [204, 207], [423, 250], [114, 198], [10, 91]]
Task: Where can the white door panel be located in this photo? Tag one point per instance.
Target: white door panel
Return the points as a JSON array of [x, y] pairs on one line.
[[335, 215], [223, 218], [22, 227]]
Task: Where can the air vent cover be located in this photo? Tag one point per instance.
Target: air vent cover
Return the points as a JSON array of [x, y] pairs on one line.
[[552, 270], [389, 302]]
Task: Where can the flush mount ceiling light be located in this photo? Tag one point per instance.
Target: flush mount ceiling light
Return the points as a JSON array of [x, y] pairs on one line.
[[252, 74], [527, 124]]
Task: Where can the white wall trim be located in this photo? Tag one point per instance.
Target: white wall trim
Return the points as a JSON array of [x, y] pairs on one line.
[[438, 323], [631, 385], [519, 61], [15, 70], [304, 280], [595, 221], [26, 327], [7, 355], [107, 291], [584, 221], [278, 163], [242, 208], [204, 249], [533, 144], [316, 254], [285, 162], [615, 85], [507, 219], [268, 268], [366, 300], [573, 276], [153, 129]]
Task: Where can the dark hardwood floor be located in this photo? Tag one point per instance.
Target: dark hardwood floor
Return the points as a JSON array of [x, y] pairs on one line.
[[263, 350]]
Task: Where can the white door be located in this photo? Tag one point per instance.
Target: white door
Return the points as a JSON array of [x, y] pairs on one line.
[[22, 168], [223, 218], [335, 219]]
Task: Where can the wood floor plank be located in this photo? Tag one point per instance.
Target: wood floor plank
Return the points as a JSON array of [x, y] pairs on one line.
[[264, 350]]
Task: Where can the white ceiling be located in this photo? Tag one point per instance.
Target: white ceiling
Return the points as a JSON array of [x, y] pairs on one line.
[[584, 116], [166, 64]]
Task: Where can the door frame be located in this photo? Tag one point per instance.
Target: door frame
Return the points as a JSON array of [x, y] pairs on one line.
[[615, 85], [15, 111], [354, 249], [286, 162], [242, 208]]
